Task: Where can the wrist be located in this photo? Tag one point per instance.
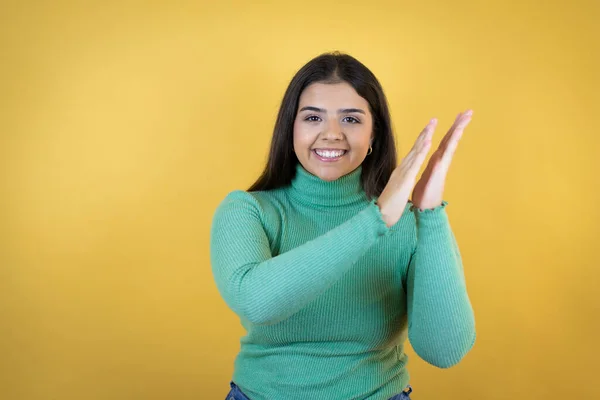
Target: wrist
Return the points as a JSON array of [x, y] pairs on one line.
[[385, 215]]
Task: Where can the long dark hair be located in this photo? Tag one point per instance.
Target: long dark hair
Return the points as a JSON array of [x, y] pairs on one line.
[[332, 67]]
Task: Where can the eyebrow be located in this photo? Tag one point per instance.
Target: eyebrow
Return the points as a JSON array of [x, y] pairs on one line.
[[340, 111]]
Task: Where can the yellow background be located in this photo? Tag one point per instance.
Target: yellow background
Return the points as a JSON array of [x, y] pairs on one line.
[[123, 125]]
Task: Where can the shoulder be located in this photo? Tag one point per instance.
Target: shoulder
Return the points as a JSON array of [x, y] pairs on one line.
[[258, 202], [238, 196]]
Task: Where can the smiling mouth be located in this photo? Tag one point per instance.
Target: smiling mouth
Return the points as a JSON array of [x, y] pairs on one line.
[[329, 156]]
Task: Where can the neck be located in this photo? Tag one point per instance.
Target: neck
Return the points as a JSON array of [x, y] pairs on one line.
[[311, 190]]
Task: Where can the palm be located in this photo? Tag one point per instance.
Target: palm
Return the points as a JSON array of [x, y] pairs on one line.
[[429, 191]]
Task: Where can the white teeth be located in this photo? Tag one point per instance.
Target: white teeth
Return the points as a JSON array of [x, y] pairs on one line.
[[330, 154]]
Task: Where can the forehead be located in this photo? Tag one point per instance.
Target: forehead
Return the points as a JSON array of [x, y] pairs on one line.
[[335, 95]]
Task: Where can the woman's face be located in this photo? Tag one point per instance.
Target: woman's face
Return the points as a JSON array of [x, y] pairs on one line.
[[332, 118]]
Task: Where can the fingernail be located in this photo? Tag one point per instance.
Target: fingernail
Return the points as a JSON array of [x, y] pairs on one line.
[[433, 120], [469, 112]]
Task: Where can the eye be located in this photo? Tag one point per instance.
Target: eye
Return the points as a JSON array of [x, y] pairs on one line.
[[352, 120], [312, 118]]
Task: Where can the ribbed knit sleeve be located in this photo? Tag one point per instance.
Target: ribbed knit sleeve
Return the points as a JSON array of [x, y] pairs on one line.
[[264, 289], [441, 321]]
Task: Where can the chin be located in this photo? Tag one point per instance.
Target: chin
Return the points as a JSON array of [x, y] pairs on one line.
[[329, 178], [330, 174]]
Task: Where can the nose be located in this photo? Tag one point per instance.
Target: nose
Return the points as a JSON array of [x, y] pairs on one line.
[[333, 131]]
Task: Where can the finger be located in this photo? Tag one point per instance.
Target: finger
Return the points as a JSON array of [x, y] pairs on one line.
[[420, 159], [459, 119], [417, 158], [426, 133], [449, 133], [424, 136], [458, 126], [452, 143]]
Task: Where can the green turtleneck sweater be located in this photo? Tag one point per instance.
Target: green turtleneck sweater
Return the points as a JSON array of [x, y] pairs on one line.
[[328, 293]]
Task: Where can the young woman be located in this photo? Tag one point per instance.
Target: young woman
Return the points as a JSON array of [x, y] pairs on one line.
[[327, 262]]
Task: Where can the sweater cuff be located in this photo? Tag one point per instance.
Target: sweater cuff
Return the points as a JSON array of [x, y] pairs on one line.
[[382, 228], [430, 217], [428, 211]]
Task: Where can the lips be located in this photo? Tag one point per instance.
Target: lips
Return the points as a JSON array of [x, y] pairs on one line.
[[329, 159]]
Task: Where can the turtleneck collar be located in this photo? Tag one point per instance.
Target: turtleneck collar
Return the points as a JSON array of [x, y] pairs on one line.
[[310, 190]]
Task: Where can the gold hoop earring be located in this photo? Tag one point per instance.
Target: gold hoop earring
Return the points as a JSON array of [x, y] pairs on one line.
[[370, 150]]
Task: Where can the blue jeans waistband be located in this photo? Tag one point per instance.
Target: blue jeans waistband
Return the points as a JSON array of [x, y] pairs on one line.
[[237, 394]]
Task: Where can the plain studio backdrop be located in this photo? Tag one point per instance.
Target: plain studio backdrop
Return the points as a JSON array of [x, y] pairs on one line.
[[124, 124]]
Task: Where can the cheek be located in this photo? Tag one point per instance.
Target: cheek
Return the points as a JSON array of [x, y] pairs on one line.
[[360, 140], [303, 137]]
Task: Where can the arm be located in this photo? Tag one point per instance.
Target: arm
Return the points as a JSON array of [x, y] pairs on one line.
[[441, 324], [265, 289]]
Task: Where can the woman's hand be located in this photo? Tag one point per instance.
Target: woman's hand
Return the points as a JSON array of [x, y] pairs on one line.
[[394, 196], [428, 192]]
